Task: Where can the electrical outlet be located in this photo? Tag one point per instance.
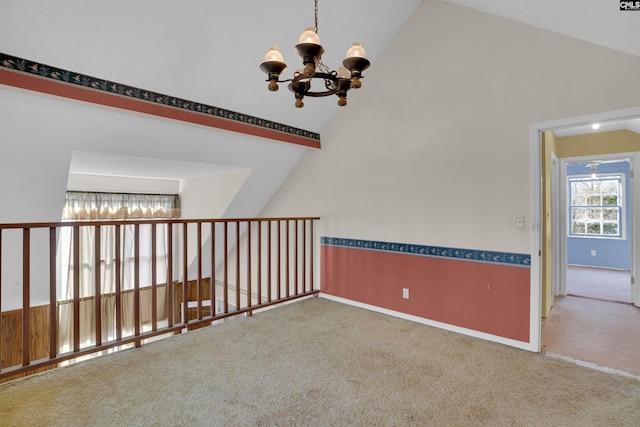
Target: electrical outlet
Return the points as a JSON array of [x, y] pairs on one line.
[[519, 222], [593, 252], [405, 293]]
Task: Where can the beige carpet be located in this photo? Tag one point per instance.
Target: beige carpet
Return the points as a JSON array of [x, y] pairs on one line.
[[315, 363]]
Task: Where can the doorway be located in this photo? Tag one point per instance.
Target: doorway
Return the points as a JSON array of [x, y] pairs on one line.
[[596, 214], [574, 327]]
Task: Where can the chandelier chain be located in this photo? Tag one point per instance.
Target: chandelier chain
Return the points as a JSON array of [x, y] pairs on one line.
[[315, 11], [319, 64]]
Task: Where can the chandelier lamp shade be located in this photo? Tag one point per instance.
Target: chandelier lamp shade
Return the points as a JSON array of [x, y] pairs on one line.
[[310, 50]]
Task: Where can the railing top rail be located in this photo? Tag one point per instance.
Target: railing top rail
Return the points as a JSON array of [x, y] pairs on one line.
[[22, 225]]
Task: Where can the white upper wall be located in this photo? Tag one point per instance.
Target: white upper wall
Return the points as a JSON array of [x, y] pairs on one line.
[[210, 196], [39, 134], [119, 184], [617, 29], [435, 148]]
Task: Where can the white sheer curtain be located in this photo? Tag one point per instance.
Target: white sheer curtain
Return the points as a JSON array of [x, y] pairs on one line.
[[111, 206]]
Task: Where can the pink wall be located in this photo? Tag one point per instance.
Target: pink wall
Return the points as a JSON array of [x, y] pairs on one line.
[[490, 297]]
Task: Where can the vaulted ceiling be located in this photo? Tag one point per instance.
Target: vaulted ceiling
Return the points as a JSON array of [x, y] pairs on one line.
[[209, 51]]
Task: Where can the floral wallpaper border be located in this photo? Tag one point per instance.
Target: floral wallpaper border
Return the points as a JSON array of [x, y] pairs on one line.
[[36, 69], [490, 257]]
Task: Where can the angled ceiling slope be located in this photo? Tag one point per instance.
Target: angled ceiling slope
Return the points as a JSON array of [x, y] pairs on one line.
[[596, 21], [209, 51], [203, 51]]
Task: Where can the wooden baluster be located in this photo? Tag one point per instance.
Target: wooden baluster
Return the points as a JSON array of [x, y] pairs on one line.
[[53, 323], [26, 297], [154, 279], [286, 249], [76, 288], [98, 286], [199, 280], [304, 255], [1, 330], [212, 281], [269, 261], [279, 268], [238, 305], [311, 262], [185, 275], [248, 263], [118, 274], [136, 283], [225, 290], [295, 265], [259, 262], [170, 301]]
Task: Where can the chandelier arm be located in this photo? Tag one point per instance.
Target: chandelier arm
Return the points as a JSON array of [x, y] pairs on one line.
[[328, 78], [320, 94], [325, 76], [281, 81]]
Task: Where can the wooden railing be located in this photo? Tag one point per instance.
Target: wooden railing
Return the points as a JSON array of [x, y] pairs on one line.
[[213, 269]]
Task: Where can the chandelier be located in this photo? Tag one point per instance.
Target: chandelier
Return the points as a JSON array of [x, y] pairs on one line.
[[309, 48]]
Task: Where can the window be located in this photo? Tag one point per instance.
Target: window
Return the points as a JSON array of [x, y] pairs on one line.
[[109, 206], [113, 206], [96, 206], [596, 206]]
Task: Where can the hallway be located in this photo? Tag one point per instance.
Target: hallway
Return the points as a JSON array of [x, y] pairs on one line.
[[595, 323]]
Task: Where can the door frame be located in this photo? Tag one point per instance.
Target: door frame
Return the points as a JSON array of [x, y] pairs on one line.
[[535, 138], [558, 275], [632, 222]]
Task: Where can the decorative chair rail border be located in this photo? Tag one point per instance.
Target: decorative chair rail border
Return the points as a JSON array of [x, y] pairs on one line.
[[474, 255], [12, 68]]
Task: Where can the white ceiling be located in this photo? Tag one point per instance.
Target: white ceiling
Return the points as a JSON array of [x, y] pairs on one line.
[[597, 21], [91, 163], [209, 51], [630, 124]]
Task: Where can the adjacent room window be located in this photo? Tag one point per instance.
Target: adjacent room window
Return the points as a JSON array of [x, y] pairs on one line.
[[96, 206], [596, 206], [113, 206]]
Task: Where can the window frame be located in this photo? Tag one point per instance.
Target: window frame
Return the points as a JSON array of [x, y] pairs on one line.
[[621, 178]]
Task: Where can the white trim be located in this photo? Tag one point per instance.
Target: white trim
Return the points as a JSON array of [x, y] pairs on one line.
[[558, 269], [535, 281], [631, 221], [634, 223], [428, 322], [563, 229], [536, 202], [626, 114]]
